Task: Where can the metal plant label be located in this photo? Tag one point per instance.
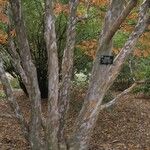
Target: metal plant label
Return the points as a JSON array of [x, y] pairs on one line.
[[106, 60]]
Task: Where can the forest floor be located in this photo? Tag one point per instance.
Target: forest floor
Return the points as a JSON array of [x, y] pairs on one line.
[[125, 126]]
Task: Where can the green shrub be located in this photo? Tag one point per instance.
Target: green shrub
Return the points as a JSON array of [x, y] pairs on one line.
[[2, 95], [142, 72], [124, 79], [14, 83]]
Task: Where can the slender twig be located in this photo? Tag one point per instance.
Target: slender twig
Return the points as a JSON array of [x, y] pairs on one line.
[[125, 92]]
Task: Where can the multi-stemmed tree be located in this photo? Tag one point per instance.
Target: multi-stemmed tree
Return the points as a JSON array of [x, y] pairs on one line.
[[102, 76]]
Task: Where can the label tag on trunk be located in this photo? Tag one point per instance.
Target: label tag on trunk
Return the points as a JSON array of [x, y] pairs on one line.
[[106, 60]]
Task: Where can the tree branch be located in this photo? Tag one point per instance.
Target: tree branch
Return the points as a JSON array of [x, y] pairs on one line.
[[112, 102], [12, 102], [125, 92], [16, 61], [111, 32], [142, 24], [102, 78]]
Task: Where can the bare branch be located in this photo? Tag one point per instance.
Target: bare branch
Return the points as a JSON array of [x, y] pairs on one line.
[[131, 71], [117, 98], [125, 92]]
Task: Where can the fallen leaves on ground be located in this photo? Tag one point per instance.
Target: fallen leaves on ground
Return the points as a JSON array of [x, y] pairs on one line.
[[125, 126]]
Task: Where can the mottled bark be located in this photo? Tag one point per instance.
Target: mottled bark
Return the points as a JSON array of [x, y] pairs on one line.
[[13, 103], [66, 71], [30, 72], [102, 76], [52, 124], [16, 61], [115, 9], [101, 81]]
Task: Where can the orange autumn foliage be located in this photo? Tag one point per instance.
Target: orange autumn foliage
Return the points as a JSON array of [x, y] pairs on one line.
[[3, 2], [95, 2], [3, 37], [89, 47], [99, 2], [59, 8], [4, 18]]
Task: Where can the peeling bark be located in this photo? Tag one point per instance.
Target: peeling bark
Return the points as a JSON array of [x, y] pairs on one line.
[[52, 123], [66, 72], [102, 76], [114, 11], [30, 71], [100, 83], [16, 61]]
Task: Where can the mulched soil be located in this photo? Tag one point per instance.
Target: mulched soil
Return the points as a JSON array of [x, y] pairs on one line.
[[125, 126]]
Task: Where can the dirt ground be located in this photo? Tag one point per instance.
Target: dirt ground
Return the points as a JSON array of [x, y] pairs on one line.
[[125, 126]]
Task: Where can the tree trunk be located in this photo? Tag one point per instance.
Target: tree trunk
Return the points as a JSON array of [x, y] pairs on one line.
[[30, 72], [100, 82], [12, 102], [102, 76], [52, 124], [66, 72]]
